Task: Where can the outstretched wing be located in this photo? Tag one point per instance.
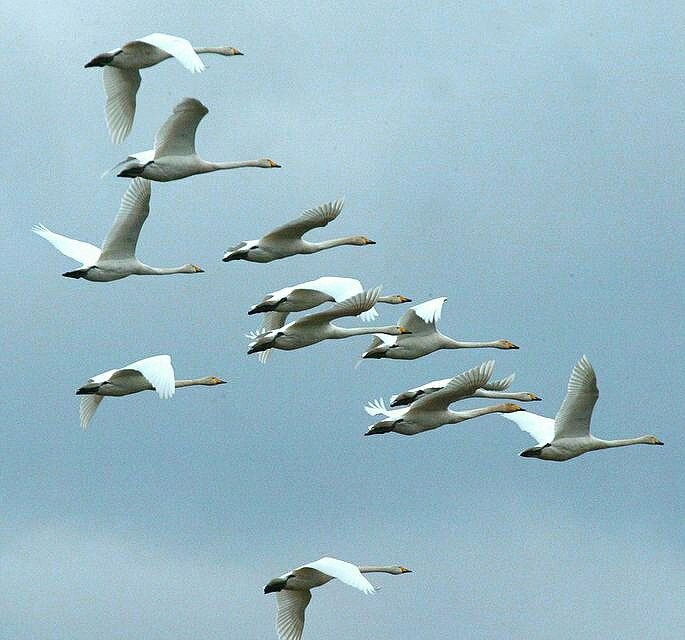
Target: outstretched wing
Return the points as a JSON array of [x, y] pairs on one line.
[[461, 386], [177, 135], [344, 571], [500, 385], [123, 236], [421, 318], [407, 397], [83, 252], [177, 47], [158, 372], [539, 427], [573, 418], [376, 408], [88, 407], [121, 87], [311, 219], [350, 307], [290, 606]]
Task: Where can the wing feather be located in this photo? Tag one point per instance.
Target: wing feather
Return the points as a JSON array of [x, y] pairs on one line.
[[122, 238], [573, 418], [344, 571], [421, 318], [461, 386], [352, 306], [84, 252], [311, 219], [176, 137], [177, 47], [500, 385], [88, 407], [121, 87], [291, 605], [159, 373], [539, 427]]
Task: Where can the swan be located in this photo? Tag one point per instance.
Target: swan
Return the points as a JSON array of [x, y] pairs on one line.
[[300, 297], [568, 434], [421, 321], [432, 411], [293, 589], [117, 258], [151, 373], [496, 389], [286, 240], [121, 78], [317, 326], [174, 156]]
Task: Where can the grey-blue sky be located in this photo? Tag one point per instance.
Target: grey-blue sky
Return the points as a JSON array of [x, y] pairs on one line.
[[522, 160]]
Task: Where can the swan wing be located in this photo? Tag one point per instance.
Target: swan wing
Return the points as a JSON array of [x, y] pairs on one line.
[[376, 408], [352, 306], [344, 571], [338, 288], [121, 87], [272, 320], [539, 427], [88, 407], [311, 219], [290, 606], [122, 238], [158, 372], [573, 418], [421, 318], [410, 395], [177, 47], [84, 252], [500, 385], [176, 137], [462, 385]]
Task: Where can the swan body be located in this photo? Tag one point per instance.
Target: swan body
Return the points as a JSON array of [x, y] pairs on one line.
[[497, 389], [432, 411], [293, 589], [154, 373], [121, 77], [300, 297], [424, 337], [318, 326], [286, 240], [174, 156], [568, 434], [117, 258]]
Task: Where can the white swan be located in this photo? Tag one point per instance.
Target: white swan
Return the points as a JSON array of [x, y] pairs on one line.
[[568, 435], [121, 78], [151, 373], [117, 258], [424, 337], [432, 411], [300, 297], [174, 156], [497, 389], [317, 326], [286, 240], [293, 589]]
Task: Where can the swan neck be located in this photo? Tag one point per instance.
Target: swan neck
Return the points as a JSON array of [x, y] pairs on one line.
[[191, 383], [220, 50], [361, 331], [218, 166], [460, 344], [376, 569], [625, 442], [501, 395], [329, 244], [147, 270], [460, 416]]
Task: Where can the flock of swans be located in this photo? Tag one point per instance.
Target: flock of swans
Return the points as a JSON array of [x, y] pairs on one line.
[[415, 334]]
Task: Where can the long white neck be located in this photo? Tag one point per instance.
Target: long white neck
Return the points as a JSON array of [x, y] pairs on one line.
[[222, 51], [218, 166], [460, 416], [377, 569], [313, 247], [457, 344], [191, 383], [502, 395], [608, 444], [344, 332], [146, 270]]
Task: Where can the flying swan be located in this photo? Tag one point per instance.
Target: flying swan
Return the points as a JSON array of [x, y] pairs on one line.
[[432, 411], [317, 326], [286, 240], [174, 156], [568, 435], [293, 589], [300, 297], [154, 373], [497, 389], [424, 336], [121, 78], [117, 258]]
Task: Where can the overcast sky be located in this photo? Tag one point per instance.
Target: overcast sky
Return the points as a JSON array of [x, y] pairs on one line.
[[523, 159]]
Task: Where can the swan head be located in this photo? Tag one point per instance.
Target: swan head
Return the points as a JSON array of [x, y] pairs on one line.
[[229, 51], [652, 440], [266, 163], [211, 381], [192, 268], [510, 407], [397, 570], [397, 331], [505, 344], [360, 241], [532, 397], [394, 299]]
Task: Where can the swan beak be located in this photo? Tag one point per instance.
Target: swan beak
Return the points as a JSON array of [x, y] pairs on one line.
[[273, 165], [237, 53], [220, 381], [659, 442], [405, 299], [199, 270], [405, 570], [533, 397], [404, 331], [370, 241]]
